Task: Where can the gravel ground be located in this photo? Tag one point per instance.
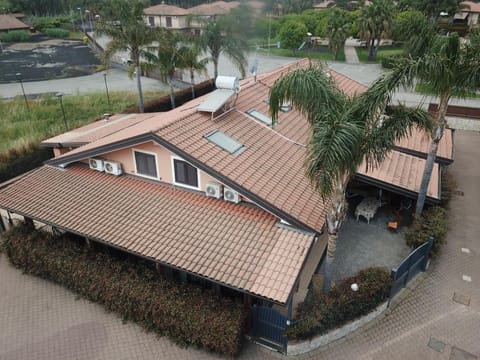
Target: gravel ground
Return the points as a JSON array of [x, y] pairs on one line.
[[46, 59]]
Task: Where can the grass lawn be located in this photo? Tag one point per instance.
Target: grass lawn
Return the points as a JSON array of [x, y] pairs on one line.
[[318, 53], [382, 52], [427, 90], [21, 128]]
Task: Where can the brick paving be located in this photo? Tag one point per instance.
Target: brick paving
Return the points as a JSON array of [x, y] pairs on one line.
[[41, 320]]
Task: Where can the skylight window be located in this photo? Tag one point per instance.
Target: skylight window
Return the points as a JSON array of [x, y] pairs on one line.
[[259, 116], [225, 141]]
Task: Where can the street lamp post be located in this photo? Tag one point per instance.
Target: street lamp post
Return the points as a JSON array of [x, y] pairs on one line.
[[81, 18], [19, 77], [106, 87], [60, 97], [89, 18]]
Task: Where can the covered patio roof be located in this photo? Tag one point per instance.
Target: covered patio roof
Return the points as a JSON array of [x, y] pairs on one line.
[[238, 246], [401, 173]]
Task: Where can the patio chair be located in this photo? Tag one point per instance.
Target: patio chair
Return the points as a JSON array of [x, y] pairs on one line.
[[393, 225]]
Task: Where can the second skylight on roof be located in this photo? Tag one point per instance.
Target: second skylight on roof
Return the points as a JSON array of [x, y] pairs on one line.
[[225, 141]]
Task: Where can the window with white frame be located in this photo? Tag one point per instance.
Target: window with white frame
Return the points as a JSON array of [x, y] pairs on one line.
[[145, 164], [185, 174]]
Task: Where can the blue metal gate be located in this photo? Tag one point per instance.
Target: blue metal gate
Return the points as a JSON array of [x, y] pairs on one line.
[[268, 327], [409, 267]]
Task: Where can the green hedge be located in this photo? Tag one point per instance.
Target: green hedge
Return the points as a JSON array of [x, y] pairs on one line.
[[433, 223], [57, 33], [187, 314], [19, 161], [320, 313], [16, 36]]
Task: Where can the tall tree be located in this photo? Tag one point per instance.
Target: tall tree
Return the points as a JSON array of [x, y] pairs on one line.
[[374, 22], [338, 30], [166, 58], [415, 30], [344, 132], [449, 69], [127, 32], [193, 63], [225, 35], [292, 34]]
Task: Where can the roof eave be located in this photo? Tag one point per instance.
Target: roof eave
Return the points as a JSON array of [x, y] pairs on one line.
[[394, 188], [107, 243]]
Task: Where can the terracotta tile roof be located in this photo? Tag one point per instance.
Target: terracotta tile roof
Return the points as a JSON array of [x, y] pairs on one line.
[[96, 130], [405, 172], [164, 9], [235, 245], [271, 167], [418, 143], [149, 125], [470, 6], [215, 8], [10, 22]]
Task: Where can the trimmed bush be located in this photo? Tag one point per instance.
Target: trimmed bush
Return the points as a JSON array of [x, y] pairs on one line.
[[388, 62], [189, 315], [433, 223], [57, 33], [16, 36], [320, 313]]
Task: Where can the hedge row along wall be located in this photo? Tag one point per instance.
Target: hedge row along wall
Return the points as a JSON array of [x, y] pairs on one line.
[[321, 313], [187, 314]]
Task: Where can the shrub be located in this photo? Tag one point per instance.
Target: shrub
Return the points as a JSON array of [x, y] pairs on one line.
[[189, 315], [18, 161], [433, 223], [57, 33], [448, 186], [42, 23], [16, 36], [320, 313], [388, 62]]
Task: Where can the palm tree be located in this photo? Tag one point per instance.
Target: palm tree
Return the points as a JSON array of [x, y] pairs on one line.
[[338, 30], [344, 132], [449, 69], [168, 58], [128, 32], [224, 35], [374, 22], [193, 64]]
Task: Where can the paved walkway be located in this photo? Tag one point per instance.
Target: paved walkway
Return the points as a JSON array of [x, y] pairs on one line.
[[40, 320]]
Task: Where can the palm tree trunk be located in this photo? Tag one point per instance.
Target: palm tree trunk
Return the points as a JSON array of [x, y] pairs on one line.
[[335, 216], [371, 49], [432, 154], [172, 93], [331, 247], [192, 81], [215, 68], [139, 88]]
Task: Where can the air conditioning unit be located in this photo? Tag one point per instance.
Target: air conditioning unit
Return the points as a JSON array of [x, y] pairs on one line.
[[231, 195], [113, 167], [213, 190], [96, 164]]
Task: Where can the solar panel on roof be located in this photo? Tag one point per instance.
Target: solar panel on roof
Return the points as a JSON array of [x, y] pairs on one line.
[[216, 100], [225, 141]]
